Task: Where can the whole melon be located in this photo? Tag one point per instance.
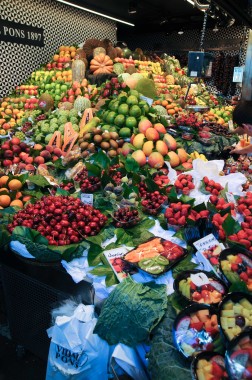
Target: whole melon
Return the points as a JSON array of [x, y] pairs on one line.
[[126, 53], [45, 102], [81, 103], [65, 106]]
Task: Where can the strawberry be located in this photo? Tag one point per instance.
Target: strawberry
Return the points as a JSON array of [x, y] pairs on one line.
[[244, 276], [184, 212], [186, 190], [204, 213], [185, 206], [241, 208], [218, 186], [183, 182], [246, 242], [193, 286], [242, 235], [249, 272], [233, 237], [244, 225], [206, 180], [214, 261], [191, 185], [177, 215], [213, 199], [208, 188], [178, 184], [172, 221], [234, 267], [211, 183], [182, 221], [215, 192], [247, 212], [222, 235]]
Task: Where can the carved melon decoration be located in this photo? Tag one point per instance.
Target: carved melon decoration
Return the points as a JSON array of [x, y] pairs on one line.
[[81, 103], [132, 80], [170, 79], [70, 137], [65, 106], [45, 102], [101, 64]]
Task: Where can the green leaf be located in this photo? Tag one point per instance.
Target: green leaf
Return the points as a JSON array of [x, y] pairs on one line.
[[162, 220], [178, 302], [101, 159], [151, 185], [111, 279], [34, 193], [185, 264], [200, 207], [239, 286], [5, 236], [231, 226], [60, 191], [102, 270], [131, 165], [93, 170], [94, 254], [39, 180], [202, 188], [223, 192], [9, 210], [172, 196], [187, 200]]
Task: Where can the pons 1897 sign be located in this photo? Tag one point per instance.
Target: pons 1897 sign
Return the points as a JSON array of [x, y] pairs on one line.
[[21, 33]]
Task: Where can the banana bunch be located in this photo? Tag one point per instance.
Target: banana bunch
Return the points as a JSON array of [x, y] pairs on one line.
[[196, 154], [156, 68]]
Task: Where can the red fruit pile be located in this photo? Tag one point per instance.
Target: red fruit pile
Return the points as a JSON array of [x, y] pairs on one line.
[[245, 208], [161, 180], [244, 237], [221, 204], [115, 174], [184, 184], [153, 202], [87, 184], [111, 88], [177, 214], [213, 187], [217, 222], [16, 152], [190, 120], [142, 189], [62, 219], [126, 217]]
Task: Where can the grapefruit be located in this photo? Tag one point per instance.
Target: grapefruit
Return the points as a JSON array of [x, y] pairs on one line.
[[14, 184], [3, 180], [5, 200], [17, 203]]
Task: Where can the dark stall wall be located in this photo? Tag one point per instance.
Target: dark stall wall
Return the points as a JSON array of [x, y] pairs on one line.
[[62, 24]]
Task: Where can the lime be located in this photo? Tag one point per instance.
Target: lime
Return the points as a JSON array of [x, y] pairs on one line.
[[131, 122], [132, 100], [119, 120], [134, 93], [135, 111], [110, 118], [105, 127], [144, 105], [113, 105], [125, 132], [123, 109], [105, 114]]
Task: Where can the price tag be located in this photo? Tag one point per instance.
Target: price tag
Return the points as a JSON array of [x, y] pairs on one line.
[[87, 199], [200, 279], [193, 73], [238, 74], [206, 243], [148, 100], [230, 125]]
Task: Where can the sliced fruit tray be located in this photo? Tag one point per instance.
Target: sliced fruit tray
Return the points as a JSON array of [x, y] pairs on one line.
[[156, 256]]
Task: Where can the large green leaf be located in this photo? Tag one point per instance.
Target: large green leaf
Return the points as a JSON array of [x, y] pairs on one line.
[[231, 226], [94, 254], [39, 180], [93, 170], [131, 165], [101, 159], [185, 264]]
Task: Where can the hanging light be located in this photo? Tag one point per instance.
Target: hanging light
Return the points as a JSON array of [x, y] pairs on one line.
[[215, 29], [132, 9], [180, 32]]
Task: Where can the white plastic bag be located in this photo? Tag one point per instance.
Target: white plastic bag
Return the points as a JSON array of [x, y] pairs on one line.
[[75, 352]]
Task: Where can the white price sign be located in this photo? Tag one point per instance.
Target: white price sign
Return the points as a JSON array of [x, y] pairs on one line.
[[88, 199], [238, 74]]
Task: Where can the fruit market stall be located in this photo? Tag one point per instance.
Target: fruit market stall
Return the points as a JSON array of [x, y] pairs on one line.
[[110, 170]]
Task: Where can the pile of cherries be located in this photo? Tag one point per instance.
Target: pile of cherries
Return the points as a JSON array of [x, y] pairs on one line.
[[61, 219], [126, 217], [153, 202], [88, 184]]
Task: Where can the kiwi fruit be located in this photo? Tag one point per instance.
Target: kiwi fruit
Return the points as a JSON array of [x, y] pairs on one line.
[[84, 145], [113, 144], [161, 260], [97, 139], [105, 145]]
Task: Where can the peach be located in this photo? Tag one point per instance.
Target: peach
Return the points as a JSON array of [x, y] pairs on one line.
[[16, 160], [187, 165], [57, 152], [46, 154], [126, 149], [29, 160], [30, 167], [49, 148], [156, 160], [152, 134], [148, 147], [161, 147], [8, 153], [15, 141], [138, 140], [39, 160], [143, 125], [23, 155], [160, 128], [170, 141], [38, 147], [7, 162], [174, 159], [182, 155], [139, 156]]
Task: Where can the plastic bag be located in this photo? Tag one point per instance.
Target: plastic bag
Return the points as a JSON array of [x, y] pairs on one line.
[[75, 352]]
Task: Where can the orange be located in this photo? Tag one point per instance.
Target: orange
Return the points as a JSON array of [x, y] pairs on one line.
[[18, 195], [55, 57], [164, 103], [17, 203], [4, 189], [26, 198], [5, 200], [8, 111], [73, 54], [171, 111], [72, 48], [14, 184], [3, 180], [61, 48]]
